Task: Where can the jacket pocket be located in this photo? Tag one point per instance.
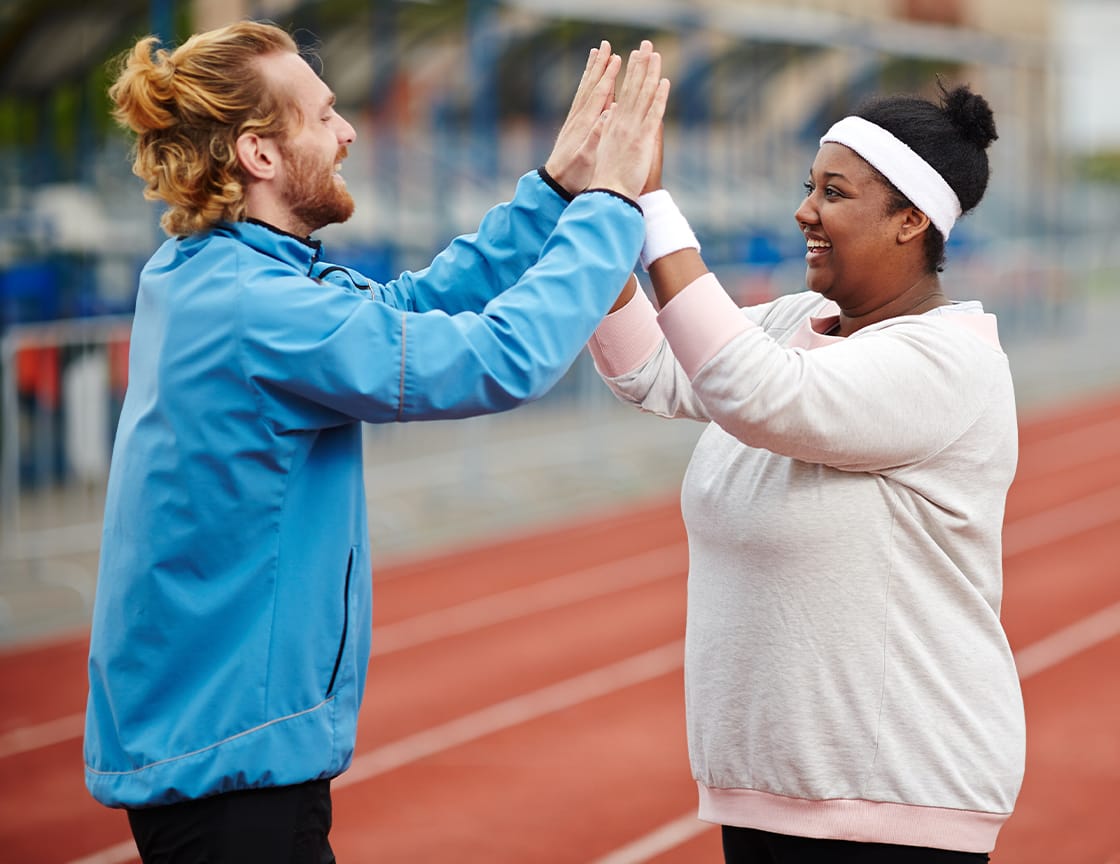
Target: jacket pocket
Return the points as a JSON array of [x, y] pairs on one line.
[[345, 622]]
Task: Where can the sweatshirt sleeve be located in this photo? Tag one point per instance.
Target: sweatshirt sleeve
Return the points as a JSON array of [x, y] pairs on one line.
[[476, 267], [888, 396], [322, 355], [635, 361]]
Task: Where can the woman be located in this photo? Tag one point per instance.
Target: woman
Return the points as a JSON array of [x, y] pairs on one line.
[[850, 692]]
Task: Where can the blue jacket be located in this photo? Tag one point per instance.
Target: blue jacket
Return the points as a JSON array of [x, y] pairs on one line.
[[231, 626]]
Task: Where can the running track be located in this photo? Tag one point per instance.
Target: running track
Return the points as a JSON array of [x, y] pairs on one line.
[[524, 700]]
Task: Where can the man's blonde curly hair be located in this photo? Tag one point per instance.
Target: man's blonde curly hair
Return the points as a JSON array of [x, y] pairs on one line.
[[188, 107]]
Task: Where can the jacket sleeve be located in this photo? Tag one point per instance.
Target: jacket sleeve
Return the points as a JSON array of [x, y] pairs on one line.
[[476, 267], [323, 355], [889, 396]]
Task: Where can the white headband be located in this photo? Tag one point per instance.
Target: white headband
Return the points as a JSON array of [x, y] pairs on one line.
[[912, 175]]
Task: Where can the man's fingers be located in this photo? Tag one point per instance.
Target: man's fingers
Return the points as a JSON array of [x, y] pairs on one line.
[[596, 132], [604, 89], [597, 63], [628, 141], [642, 74], [656, 112], [650, 82], [635, 71], [597, 86], [603, 54]]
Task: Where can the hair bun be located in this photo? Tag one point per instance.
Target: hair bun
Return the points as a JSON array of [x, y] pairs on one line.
[[970, 113], [144, 92]]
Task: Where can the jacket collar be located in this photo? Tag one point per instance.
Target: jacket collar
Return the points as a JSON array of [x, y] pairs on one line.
[[299, 252]]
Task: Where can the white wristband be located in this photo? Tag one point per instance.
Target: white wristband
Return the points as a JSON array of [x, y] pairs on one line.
[[667, 230]]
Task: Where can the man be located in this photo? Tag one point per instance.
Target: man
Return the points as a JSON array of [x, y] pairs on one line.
[[231, 626]]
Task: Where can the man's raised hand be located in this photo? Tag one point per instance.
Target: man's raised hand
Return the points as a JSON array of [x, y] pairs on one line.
[[573, 156], [628, 142]]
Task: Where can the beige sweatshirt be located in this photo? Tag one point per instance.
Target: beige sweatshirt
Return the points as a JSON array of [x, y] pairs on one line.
[[846, 672]]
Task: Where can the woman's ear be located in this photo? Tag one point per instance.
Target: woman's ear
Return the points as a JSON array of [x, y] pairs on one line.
[[915, 223], [258, 156]]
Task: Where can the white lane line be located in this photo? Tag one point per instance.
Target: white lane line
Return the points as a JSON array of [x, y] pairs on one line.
[[1079, 446], [1062, 522], [513, 712], [122, 853], [657, 842], [1042, 655], [42, 734], [597, 581], [1068, 642]]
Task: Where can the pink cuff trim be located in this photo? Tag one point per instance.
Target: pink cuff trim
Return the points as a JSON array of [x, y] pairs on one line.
[[699, 321], [626, 338], [852, 819]]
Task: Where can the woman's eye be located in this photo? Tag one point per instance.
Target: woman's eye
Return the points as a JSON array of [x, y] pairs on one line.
[[808, 189]]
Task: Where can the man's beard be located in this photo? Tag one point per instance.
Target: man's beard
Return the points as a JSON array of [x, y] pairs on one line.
[[312, 194]]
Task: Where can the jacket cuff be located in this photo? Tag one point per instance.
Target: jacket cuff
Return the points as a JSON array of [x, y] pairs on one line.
[[617, 195], [556, 187]]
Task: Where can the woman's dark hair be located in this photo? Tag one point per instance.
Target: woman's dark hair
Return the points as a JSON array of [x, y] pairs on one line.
[[952, 136]]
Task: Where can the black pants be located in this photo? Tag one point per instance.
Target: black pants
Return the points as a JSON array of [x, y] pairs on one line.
[[278, 825], [748, 846]]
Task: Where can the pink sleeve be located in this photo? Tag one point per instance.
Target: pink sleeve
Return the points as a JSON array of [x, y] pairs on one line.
[[626, 338], [699, 321]]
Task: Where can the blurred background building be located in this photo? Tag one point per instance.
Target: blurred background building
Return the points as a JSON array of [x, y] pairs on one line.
[[453, 100]]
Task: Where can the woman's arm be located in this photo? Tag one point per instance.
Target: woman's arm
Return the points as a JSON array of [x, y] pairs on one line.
[[635, 361], [890, 395]]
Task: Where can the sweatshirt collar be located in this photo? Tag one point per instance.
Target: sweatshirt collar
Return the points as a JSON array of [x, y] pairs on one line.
[[816, 330]]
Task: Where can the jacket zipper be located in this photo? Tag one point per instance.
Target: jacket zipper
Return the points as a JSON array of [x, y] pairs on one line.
[[345, 622]]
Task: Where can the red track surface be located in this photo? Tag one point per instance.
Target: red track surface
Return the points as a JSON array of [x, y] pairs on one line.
[[525, 705]]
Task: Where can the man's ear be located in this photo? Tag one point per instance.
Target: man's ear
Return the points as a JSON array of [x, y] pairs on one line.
[[258, 156], [915, 223]]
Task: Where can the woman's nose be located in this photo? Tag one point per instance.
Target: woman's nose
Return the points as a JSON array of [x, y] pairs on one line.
[[805, 214]]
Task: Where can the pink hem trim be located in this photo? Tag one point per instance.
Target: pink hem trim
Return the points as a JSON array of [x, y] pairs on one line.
[[626, 338], [853, 819], [700, 321]]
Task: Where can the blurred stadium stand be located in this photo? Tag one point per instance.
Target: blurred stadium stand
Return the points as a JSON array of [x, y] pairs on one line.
[[453, 100]]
